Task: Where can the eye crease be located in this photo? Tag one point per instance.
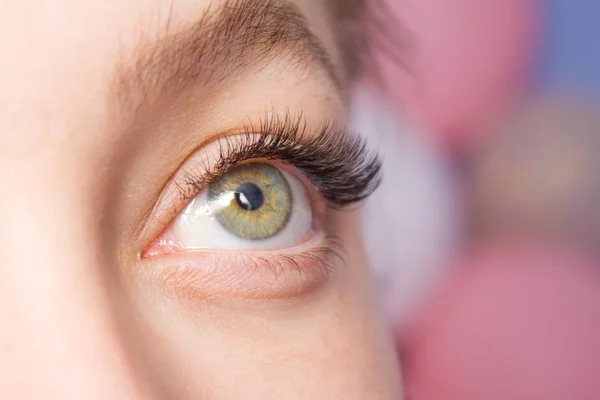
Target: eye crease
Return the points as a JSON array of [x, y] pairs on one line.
[[258, 200]]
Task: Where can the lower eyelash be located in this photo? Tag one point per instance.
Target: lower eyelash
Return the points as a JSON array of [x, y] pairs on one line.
[[259, 277], [324, 256]]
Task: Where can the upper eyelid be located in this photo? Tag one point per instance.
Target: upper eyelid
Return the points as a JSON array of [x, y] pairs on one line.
[[335, 160]]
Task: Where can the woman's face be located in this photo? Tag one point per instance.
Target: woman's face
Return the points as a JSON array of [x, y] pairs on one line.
[[171, 195]]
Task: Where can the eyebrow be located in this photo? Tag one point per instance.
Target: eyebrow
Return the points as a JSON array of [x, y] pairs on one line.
[[230, 38]]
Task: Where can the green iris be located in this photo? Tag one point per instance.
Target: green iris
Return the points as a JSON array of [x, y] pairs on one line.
[[258, 200]]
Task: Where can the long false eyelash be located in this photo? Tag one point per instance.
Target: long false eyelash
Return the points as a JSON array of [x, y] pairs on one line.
[[336, 161]]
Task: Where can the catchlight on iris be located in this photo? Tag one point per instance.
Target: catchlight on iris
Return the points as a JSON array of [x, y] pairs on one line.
[[256, 201], [252, 205]]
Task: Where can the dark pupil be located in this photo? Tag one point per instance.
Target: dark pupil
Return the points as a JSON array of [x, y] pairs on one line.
[[249, 196]]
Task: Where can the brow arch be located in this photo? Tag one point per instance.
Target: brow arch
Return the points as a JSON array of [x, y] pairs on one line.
[[230, 37]]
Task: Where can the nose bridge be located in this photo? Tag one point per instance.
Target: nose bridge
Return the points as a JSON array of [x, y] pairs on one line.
[[59, 335]]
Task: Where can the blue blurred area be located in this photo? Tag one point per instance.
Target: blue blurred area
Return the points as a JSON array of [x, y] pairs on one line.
[[570, 52]]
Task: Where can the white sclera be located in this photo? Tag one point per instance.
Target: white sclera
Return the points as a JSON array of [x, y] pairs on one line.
[[197, 228]]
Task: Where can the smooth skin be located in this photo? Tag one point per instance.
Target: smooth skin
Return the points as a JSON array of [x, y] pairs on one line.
[[81, 316]]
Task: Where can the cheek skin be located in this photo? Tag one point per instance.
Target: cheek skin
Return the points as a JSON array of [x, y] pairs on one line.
[[326, 345]]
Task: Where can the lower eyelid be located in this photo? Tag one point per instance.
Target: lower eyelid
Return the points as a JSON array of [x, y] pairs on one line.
[[203, 276]]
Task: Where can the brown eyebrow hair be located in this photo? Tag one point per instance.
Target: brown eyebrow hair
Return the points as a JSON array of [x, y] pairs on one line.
[[365, 26], [229, 38], [350, 19]]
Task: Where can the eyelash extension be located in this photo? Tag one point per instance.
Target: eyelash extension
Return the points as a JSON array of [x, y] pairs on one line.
[[336, 161]]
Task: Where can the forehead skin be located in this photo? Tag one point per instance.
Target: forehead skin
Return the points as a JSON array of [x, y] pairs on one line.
[[79, 176], [69, 49]]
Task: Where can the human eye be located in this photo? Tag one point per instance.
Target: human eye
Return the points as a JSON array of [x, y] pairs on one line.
[[252, 206], [253, 212]]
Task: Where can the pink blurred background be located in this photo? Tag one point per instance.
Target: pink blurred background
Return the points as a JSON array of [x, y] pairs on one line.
[[485, 233]]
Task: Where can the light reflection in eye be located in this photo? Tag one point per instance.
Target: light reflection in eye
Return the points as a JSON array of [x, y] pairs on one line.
[[252, 206], [258, 201]]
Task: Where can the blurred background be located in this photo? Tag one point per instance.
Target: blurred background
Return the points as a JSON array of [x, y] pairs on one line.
[[485, 234]]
